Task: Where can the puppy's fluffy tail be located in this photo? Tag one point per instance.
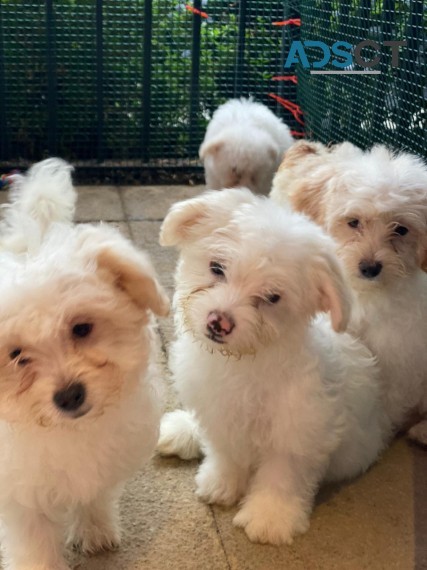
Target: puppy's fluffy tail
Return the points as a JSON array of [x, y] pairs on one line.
[[44, 196], [180, 435]]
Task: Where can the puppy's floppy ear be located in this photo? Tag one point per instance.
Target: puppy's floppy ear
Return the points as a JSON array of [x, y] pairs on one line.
[[299, 151], [137, 278], [191, 219], [334, 295], [302, 179], [129, 269], [211, 147]]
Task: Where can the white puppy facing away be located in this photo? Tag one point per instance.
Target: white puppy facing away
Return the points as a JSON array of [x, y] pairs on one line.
[[374, 204], [79, 407], [283, 401], [243, 146]]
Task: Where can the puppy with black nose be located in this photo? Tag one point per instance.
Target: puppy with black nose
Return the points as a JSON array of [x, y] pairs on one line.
[[79, 409], [374, 203]]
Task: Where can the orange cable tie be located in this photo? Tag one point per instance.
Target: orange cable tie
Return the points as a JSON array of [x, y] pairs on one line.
[[291, 107], [196, 11], [294, 21], [292, 78]]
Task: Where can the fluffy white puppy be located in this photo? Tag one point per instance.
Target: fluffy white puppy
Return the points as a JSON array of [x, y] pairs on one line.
[[283, 402], [78, 405], [243, 146], [374, 204]]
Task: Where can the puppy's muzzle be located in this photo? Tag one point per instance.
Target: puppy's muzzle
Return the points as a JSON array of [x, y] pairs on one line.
[[369, 269], [71, 399], [219, 325]]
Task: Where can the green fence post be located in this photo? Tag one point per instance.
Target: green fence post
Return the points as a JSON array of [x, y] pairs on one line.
[[195, 81], [240, 54], [3, 119], [52, 115], [146, 78], [100, 79]]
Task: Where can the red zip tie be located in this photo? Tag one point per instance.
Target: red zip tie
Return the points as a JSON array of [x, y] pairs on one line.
[[292, 78], [297, 134], [196, 11], [294, 21], [292, 107]]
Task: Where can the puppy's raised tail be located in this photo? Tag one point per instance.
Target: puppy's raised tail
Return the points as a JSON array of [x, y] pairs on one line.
[[180, 435], [44, 196]]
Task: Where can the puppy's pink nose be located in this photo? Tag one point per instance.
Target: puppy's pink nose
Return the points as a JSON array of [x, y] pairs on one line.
[[220, 324]]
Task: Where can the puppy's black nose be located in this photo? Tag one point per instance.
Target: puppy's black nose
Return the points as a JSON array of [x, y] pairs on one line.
[[71, 398], [369, 270]]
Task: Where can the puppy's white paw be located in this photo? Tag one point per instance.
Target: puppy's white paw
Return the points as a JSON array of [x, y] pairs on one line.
[[92, 536], [266, 518], [418, 433], [216, 486]]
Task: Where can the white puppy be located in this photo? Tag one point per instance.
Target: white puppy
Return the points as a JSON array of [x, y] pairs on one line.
[[283, 402], [243, 146], [78, 403], [374, 204]]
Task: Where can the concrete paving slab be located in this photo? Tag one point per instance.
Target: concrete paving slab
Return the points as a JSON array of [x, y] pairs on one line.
[[146, 236], [164, 527], [4, 197], [153, 202], [362, 525], [98, 203]]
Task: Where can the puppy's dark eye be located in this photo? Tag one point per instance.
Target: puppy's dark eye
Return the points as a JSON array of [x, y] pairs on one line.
[[353, 223], [273, 299], [216, 268], [15, 353], [81, 330], [401, 230]]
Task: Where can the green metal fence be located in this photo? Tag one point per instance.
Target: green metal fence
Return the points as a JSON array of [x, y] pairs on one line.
[[132, 83], [129, 82]]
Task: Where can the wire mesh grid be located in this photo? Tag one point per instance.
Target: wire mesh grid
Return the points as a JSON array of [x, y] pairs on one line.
[[134, 83], [129, 83], [388, 107]]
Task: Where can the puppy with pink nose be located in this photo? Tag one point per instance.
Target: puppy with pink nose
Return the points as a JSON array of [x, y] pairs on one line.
[[278, 400], [219, 325]]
